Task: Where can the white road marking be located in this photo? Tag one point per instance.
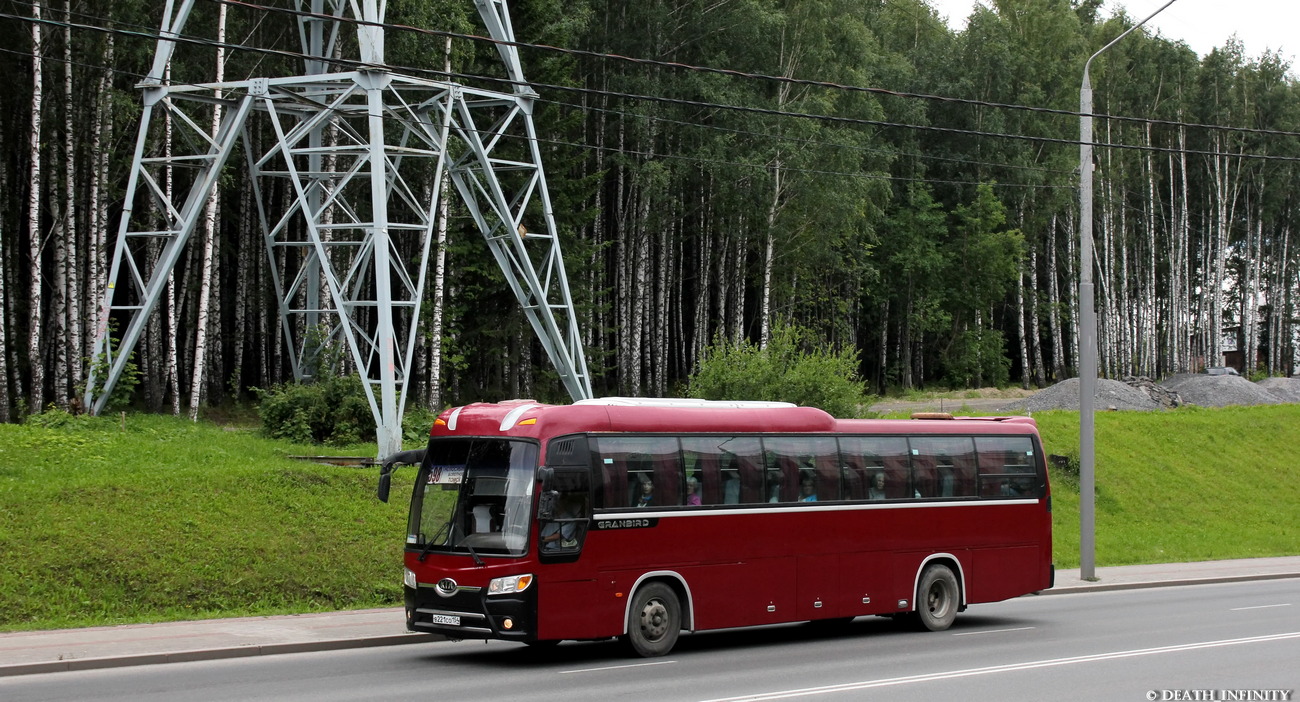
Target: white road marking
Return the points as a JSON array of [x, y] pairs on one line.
[[1238, 609], [615, 667], [991, 631], [929, 677]]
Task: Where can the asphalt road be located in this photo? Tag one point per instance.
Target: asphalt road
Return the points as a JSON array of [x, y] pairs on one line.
[[1123, 645]]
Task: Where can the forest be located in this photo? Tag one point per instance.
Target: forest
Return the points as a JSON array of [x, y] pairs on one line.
[[719, 170]]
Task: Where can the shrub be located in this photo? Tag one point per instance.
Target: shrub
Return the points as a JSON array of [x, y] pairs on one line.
[[793, 368], [331, 410]]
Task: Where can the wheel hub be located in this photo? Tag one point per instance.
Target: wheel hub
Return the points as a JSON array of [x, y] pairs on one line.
[[654, 620]]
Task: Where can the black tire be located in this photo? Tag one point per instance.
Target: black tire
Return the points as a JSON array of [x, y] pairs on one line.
[[654, 621], [938, 597]]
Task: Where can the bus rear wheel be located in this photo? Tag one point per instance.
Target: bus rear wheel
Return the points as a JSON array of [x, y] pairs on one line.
[[937, 598], [654, 621]]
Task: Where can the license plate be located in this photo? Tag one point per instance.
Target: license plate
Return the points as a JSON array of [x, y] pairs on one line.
[[444, 619]]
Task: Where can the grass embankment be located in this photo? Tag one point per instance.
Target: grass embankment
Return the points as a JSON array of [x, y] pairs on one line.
[[160, 519], [1186, 485]]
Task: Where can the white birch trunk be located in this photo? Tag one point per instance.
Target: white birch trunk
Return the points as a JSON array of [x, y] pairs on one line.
[[641, 297], [4, 341], [35, 315], [769, 252], [737, 304], [1183, 293], [704, 281], [103, 134], [210, 233], [439, 294], [243, 274], [1020, 330], [1054, 309], [1072, 295], [659, 320], [1035, 336], [73, 289], [173, 367]]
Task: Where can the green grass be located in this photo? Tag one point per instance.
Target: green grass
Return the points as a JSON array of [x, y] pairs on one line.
[[157, 518], [160, 519], [1188, 485]]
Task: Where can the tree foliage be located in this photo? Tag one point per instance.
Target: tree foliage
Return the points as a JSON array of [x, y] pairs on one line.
[[904, 193], [794, 367]]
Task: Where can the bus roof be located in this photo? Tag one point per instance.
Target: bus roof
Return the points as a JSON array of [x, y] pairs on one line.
[[525, 418]]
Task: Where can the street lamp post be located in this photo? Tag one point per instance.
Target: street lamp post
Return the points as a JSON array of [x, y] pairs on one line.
[[1088, 323]]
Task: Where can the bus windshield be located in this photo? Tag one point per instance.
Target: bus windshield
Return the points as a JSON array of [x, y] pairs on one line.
[[473, 496]]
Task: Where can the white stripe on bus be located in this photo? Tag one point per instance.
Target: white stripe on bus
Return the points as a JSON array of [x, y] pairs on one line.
[[799, 508]]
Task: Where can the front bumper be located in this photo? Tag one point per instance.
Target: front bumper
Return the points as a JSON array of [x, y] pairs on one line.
[[470, 614]]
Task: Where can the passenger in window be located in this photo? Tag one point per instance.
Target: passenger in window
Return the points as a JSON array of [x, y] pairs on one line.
[[774, 486], [1015, 488], [692, 491], [877, 489], [807, 490], [647, 496], [945, 479], [731, 487]]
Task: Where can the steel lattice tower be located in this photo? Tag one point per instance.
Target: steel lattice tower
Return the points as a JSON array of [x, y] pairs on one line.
[[364, 153]]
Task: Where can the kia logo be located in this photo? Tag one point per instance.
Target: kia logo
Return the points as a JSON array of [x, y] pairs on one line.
[[446, 587]]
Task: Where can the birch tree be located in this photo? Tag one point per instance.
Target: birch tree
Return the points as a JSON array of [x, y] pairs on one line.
[[35, 313], [210, 232]]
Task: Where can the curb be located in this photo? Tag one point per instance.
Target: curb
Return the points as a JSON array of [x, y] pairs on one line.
[[1147, 584], [211, 654]]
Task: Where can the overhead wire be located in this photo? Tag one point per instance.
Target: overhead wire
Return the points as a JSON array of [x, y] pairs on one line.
[[298, 55], [649, 98], [758, 76]]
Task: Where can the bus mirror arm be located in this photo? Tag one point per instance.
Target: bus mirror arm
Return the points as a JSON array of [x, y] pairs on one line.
[[390, 464]]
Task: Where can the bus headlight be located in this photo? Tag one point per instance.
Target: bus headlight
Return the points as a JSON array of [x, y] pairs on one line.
[[408, 578], [514, 583]]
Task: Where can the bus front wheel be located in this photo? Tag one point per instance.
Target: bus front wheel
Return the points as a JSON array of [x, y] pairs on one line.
[[937, 598], [654, 621]]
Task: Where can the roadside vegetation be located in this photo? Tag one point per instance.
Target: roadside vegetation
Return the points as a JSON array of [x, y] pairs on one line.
[[1185, 485], [140, 517]]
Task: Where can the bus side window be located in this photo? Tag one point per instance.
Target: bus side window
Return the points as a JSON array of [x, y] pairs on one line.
[[826, 475], [705, 471], [640, 473], [614, 473], [925, 478], [751, 479], [898, 484], [782, 480], [669, 483], [1007, 467], [943, 466]]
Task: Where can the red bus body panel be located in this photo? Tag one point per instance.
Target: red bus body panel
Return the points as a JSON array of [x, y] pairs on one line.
[[757, 564]]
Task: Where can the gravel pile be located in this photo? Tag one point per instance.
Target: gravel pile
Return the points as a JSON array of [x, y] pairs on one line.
[[1167, 398], [1110, 395], [1286, 389], [1219, 390]]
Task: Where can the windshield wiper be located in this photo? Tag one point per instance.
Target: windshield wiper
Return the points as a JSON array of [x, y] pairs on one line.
[[465, 542], [428, 545]]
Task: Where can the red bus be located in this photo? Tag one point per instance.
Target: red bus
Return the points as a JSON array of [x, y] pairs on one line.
[[643, 518]]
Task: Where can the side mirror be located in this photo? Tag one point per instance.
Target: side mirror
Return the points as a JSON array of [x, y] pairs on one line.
[[389, 464], [544, 475]]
